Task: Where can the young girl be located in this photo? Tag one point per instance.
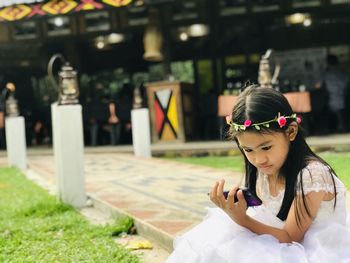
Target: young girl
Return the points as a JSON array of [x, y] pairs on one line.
[[303, 213]]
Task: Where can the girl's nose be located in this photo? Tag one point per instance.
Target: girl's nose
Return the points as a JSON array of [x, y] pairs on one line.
[[260, 159]]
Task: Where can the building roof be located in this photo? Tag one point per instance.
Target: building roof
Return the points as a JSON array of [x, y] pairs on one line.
[[13, 10]]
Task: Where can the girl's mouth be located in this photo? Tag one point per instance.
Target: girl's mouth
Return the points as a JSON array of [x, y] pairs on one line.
[[264, 167]]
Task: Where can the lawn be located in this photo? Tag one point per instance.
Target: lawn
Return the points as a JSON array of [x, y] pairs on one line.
[[339, 161], [35, 227]]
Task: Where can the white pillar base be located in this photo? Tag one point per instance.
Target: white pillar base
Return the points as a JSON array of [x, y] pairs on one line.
[[16, 142], [68, 144], [141, 136]]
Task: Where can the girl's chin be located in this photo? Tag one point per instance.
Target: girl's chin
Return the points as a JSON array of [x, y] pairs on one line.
[[269, 171]]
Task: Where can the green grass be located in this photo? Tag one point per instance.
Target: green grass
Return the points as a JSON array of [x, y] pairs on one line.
[[340, 162], [35, 227], [233, 163]]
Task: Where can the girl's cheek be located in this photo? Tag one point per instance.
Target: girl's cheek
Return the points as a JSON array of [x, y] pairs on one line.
[[250, 158]]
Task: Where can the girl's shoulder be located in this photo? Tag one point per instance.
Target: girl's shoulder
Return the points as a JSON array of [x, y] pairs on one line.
[[317, 176], [317, 168]]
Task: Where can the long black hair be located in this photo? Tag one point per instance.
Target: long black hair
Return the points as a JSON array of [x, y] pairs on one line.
[[260, 104]]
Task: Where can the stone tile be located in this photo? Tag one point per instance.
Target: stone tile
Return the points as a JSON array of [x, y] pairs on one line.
[[115, 202], [144, 214], [172, 227]]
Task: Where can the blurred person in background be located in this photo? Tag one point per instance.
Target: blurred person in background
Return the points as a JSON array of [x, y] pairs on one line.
[[336, 83]]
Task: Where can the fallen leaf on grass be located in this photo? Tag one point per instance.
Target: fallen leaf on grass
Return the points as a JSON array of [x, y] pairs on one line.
[[133, 245]]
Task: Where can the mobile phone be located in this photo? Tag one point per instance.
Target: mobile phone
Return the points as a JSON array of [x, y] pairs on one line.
[[250, 198]]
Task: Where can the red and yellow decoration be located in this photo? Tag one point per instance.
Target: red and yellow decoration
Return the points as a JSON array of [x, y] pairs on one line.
[[56, 7], [17, 12], [59, 7], [117, 3], [89, 5], [166, 119]]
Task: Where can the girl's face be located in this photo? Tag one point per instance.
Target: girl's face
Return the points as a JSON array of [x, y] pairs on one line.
[[267, 152]]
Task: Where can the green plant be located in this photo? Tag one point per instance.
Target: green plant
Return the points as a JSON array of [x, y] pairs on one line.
[[45, 90]]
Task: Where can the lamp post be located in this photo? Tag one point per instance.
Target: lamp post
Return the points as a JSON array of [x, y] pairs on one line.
[[141, 137], [137, 99], [68, 140], [15, 130], [11, 102], [265, 79]]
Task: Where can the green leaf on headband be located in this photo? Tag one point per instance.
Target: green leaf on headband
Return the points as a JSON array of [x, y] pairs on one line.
[[267, 125], [257, 127]]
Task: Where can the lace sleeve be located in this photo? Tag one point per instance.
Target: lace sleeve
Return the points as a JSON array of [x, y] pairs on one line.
[[315, 177]]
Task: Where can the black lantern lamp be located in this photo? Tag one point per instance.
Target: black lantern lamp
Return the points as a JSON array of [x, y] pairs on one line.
[[11, 102], [68, 88], [265, 79], [137, 100], [68, 85]]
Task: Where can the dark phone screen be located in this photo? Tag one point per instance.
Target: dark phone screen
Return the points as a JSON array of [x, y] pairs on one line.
[[251, 199]]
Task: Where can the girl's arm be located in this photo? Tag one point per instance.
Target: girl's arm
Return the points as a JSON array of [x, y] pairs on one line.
[[291, 231], [313, 201]]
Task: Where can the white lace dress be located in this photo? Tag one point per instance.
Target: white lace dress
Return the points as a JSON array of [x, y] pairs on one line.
[[218, 239]]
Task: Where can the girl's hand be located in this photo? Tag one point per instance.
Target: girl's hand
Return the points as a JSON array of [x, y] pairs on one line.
[[237, 211]]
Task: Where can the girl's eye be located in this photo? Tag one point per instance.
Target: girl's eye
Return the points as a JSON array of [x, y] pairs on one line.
[[247, 150], [266, 148]]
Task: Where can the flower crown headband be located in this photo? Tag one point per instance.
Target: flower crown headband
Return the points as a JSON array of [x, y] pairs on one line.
[[281, 120]]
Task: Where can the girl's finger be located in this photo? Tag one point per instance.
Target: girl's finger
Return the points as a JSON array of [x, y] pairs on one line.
[[220, 189], [214, 190], [213, 193], [241, 199], [231, 195]]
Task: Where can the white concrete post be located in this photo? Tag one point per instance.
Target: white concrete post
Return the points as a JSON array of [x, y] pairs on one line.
[[141, 136], [68, 144], [16, 142]]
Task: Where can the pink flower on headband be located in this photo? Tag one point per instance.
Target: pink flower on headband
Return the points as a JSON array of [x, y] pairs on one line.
[[229, 119], [247, 123], [282, 121], [298, 120]]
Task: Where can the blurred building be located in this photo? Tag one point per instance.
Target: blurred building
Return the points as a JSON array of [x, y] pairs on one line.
[[214, 44]]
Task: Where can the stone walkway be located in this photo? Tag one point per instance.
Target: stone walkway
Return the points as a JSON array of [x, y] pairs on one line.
[[164, 197]]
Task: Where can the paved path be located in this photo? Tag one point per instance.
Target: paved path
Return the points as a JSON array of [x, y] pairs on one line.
[[164, 197]]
